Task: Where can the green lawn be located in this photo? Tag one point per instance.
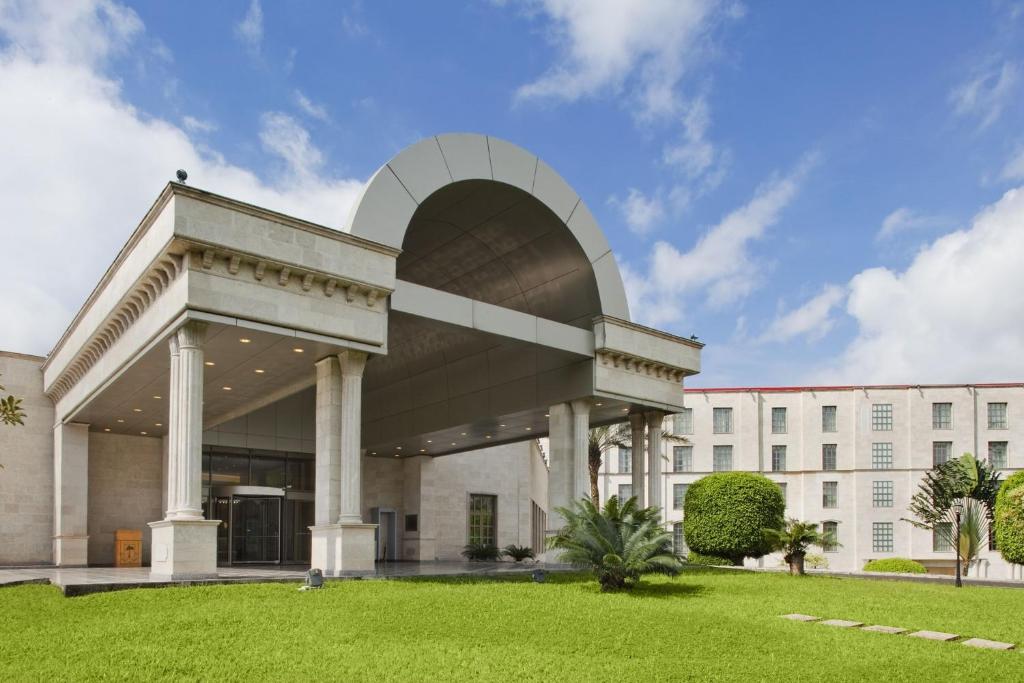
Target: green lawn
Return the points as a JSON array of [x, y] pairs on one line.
[[706, 624]]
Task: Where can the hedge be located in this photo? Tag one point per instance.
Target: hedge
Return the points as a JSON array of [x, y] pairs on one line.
[[1009, 517], [895, 565], [708, 560], [725, 513]]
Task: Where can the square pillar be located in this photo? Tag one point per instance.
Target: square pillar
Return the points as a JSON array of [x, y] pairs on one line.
[[560, 480], [638, 432], [71, 495], [581, 449], [655, 419], [184, 544]]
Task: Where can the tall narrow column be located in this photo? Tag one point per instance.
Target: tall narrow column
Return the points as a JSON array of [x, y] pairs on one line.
[[71, 495], [352, 365], [187, 454], [173, 396], [581, 449], [560, 481], [328, 441], [636, 425], [654, 426]]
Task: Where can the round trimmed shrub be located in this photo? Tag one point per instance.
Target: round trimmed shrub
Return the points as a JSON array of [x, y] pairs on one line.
[[707, 560], [1009, 517], [725, 513], [895, 565]]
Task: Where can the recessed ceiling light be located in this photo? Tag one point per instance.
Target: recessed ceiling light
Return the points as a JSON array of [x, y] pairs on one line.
[[226, 388], [488, 436], [463, 433], [453, 443], [501, 425], [159, 424], [158, 397], [106, 429], [398, 448], [373, 453], [529, 429], [423, 450], [625, 410], [547, 414], [119, 420], [298, 350], [209, 363], [244, 340], [136, 410], [143, 433], [429, 441], [598, 404], [259, 371], [397, 455]]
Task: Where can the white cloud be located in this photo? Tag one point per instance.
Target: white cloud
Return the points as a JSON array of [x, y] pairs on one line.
[[812, 320], [1014, 168], [641, 212], [954, 315], [904, 220], [719, 265], [311, 108], [74, 187], [250, 29], [642, 48], [986, 93], [194, 125]]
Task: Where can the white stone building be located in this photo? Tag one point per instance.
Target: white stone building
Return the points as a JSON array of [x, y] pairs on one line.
[[849, 458]]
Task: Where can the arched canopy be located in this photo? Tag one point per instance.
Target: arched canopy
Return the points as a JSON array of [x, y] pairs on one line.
[[481, 217]]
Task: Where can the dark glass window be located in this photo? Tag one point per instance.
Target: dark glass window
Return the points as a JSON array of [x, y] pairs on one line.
[[302, 474], [268, 472], [229, 470]]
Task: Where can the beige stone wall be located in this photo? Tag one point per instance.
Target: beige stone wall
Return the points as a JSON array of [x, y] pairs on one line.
[[26, 453], [125, 482]]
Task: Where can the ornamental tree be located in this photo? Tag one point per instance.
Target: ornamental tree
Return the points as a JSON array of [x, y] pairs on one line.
[[1009, 519], [725, 515]]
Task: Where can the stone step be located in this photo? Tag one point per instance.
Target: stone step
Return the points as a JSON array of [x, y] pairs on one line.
[[934, 635], [878, 628], [988, 644], [799, 617], [841, 623]]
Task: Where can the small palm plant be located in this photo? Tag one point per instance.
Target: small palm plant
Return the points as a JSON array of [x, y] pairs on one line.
[[619, 544], [794, 539], [518, 552]]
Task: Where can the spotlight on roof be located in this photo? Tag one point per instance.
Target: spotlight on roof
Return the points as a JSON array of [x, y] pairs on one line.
[[182, 176]]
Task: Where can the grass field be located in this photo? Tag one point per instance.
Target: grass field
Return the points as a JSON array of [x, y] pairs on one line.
[[703, 625]]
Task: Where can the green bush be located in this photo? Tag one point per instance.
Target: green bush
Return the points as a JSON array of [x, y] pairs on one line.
[[1009, 517], [479, 552], [726, 513], [518, 552], [895, 565], [707, 560]]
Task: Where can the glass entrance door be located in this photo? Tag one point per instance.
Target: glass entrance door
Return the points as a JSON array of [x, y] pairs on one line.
[[255, 529]]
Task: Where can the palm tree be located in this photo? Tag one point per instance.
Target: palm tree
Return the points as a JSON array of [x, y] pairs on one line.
[[606, 437], [619, 544], [794, 539]]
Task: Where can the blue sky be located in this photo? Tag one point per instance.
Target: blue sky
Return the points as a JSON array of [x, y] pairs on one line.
[[821, 192]]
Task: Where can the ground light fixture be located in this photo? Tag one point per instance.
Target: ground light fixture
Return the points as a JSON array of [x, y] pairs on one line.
[[958, 511], [539, 576]]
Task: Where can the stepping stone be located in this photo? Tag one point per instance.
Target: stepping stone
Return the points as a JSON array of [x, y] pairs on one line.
[[884, 629], [799, 617], [934, 635], [841, 623], [988, 644]]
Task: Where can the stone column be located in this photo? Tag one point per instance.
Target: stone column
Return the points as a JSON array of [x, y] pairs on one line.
[[636, 424], [185, 544], [561, 463], [581, 449], [654, 425], [352, 365], [71, 495], [328, 441]]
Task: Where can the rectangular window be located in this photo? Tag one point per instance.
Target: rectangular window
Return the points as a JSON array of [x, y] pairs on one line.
[[941, 452], [678, 540], [881, 456], [682, 422], [830, 494], [997, 454], [722, 459], [625, 492], [942, 416], [881, 417], [830, 530], [778, 458], [682, 458], [625, 460], [997, 416], [778, 420], [678, 495], [483, 519], [881, 537], [722, 420], [881, 494], [828, 419], [828, 456], [942, 537]]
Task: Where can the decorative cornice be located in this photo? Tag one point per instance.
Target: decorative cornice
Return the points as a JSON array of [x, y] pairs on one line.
[[640, 366]]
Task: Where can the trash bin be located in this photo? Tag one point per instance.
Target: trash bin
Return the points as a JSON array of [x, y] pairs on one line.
[[128, 548]]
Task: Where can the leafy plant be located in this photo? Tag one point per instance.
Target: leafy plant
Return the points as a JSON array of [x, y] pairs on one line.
[[725, 514], [1009, 519], [10, 410], [895, 565], [518, 552], [794, 539], [707, 560], [481, 552], [619, 544]]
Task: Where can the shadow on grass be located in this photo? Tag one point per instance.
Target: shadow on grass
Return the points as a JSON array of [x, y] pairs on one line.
[[672, 588], [661, 591]]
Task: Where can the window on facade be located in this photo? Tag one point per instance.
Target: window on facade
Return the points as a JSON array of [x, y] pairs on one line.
[[678, 495], [625, 492], [722, 459], [942, 416], [229, 470], [625, 460], [829, 494], [997, 454], [682, 422], [483, 519], [828, 419], [778, 420], [778, 458], [881, 537], [997, 416], [828, 456], [881, 417], [942, 537], [881, 494], [722, 420], [268, 472], [881, 456], [941, 452], [830, 530], [678, 539], [682, 458]]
